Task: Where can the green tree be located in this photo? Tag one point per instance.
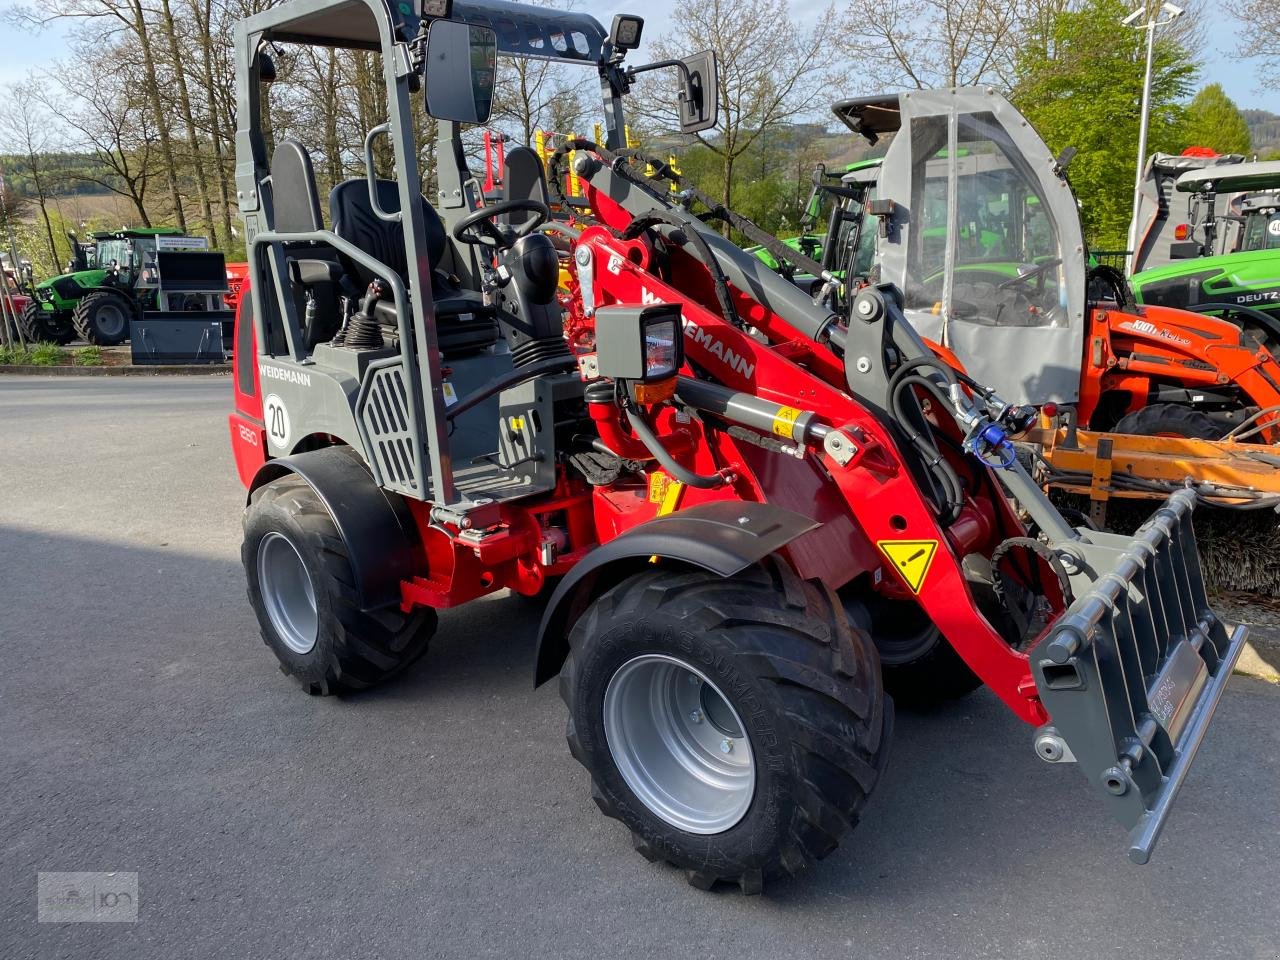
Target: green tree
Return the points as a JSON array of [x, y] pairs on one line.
[[1079, 81], [1214, 121]]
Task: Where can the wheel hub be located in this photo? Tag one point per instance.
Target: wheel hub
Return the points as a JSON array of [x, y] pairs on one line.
[[111, 320], [287, 592], [679, 744]]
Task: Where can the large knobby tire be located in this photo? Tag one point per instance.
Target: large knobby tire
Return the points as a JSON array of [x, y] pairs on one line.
[[43, 326], [102, 318], [787, 726], [921, 669], [1169, 420], [303, 591]]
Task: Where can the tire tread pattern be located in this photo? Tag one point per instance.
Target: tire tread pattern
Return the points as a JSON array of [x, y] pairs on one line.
[[367, 648], [794, 635], [82, 317]]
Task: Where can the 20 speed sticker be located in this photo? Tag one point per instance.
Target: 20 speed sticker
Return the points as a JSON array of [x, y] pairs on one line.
[[277, 418]]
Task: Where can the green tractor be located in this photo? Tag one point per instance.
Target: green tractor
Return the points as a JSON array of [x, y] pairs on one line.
[[809, 242], [110, 281], [1224, 256]]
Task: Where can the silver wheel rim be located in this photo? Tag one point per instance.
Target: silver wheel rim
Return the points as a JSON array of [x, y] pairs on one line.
[[110, 320], [287, 592], [679, 744]]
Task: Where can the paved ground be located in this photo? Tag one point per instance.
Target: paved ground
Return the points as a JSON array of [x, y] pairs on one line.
[[145, 728]]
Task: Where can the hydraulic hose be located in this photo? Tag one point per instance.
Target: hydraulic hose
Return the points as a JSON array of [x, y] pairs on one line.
[[668, 462], [947, 480], [703, 252], [716, 210]]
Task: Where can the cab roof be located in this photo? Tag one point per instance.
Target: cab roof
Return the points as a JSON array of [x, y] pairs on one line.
[[523, 30], [1233, 178], [138, 233]]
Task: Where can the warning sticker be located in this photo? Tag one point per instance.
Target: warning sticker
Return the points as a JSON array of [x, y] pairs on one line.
[[657, 487], [911, 558], [784, 422]]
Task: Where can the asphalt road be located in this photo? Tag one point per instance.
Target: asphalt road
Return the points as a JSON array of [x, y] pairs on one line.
[[146, 728]]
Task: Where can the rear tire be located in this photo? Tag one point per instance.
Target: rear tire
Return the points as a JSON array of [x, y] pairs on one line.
[[921, 669], [303, 591], [1169, 420], [765, 655], [102, 318]]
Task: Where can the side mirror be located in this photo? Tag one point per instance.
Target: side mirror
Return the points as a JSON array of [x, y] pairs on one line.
[[461, 64], [699, 99]]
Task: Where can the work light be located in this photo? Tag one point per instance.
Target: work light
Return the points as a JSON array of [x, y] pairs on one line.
[[434, 8], [642, 347], [624, 33]]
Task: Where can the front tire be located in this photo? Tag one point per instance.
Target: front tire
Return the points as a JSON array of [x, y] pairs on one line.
[[102, 318], [921, 670], [42, 326], [1169, 420], [302, 589], [736, 725]]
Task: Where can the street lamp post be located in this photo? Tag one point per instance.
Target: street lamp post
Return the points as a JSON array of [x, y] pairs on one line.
[[1153, 20]]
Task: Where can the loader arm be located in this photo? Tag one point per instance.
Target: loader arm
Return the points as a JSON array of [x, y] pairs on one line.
[[1122, 681]]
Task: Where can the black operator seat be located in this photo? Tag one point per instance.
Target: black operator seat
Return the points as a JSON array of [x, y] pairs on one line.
[[313, 268], [464, 323], [524, 178]]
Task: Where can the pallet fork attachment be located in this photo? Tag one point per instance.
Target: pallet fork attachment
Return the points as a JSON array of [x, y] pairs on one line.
[[1132, 673]]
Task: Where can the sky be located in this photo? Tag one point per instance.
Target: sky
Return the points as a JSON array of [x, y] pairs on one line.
[[21, 53]]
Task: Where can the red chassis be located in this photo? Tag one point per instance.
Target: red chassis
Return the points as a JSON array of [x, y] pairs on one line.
[[869, 500]]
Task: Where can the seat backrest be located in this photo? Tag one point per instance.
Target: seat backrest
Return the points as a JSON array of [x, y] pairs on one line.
[[295, 201], [523, 179], [354, 220]]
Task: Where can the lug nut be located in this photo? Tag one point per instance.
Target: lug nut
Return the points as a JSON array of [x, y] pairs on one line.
[[726, 746], [696, 716]]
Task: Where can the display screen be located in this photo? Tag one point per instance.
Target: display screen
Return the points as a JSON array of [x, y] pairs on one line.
[[660, 356]]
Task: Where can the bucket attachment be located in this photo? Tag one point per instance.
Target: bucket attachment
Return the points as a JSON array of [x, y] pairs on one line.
[[179, 337], [1132, 672]]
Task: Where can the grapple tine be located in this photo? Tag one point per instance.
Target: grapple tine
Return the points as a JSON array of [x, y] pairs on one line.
[[1132, 672]]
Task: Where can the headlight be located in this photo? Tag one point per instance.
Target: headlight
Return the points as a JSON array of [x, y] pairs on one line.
[[661, 355], [642, 347]]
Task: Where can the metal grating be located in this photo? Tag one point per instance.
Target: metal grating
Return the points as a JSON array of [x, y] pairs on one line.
[[384, 416], [1132, 672]]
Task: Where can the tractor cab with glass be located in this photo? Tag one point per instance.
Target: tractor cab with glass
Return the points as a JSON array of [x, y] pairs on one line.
[[1224, 255]]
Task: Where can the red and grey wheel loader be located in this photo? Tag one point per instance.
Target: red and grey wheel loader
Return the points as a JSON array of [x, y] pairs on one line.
[[759, 514]]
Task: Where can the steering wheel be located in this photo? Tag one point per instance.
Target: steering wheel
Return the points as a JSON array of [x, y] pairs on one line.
[[481, 229], [1038, 270]]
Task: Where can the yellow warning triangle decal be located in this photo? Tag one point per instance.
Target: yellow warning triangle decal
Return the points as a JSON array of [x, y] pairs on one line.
[[911, 558]]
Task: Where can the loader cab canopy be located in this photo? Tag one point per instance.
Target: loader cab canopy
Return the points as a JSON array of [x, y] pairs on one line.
[[534, 34], [983, 239], [382, 282], [871, 117]]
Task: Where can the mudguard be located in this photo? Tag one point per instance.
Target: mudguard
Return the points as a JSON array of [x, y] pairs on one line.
[[724, 537], [378, 530]]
